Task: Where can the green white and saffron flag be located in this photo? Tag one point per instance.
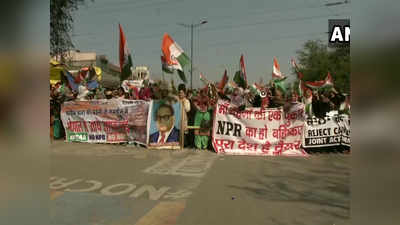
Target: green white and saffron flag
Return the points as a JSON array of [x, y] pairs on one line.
[[204, 79], [165, 67], [280, 84], [125, 58], [327, 82], [174, 58], [240, 77]]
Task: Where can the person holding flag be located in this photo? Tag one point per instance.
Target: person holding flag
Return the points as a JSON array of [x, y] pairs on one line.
[[304, 92], [240, 77], [278, 86]]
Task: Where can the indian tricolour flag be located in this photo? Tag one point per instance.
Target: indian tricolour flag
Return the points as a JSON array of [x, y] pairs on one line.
[[328, 81], [296, 68], [173, 56], [240, 77], [204, 79], [276, 71], [125, 58]]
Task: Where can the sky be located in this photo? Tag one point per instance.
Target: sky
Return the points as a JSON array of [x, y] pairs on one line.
[[258, 29]]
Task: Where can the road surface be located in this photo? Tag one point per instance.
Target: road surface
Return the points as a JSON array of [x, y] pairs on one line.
[[104, 184]]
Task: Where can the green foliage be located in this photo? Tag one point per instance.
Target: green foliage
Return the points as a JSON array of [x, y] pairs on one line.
[[315, 60], [61, 23]]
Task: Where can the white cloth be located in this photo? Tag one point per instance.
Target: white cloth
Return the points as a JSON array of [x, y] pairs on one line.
[[83, 91], [186, 105]]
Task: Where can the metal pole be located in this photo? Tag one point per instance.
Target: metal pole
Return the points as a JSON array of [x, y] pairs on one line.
[[191, 57]]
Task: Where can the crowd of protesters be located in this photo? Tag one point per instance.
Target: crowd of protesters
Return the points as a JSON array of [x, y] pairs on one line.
[[200, 103]]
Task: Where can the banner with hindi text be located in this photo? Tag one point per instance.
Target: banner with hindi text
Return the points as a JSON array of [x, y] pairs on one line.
[[257, 131], [105, 121], [332, 130]]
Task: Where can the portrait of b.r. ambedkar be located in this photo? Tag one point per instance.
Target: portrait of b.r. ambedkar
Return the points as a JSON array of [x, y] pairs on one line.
[[165, 120]]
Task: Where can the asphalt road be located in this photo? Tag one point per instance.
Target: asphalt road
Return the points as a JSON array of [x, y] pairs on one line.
[[100, 184]]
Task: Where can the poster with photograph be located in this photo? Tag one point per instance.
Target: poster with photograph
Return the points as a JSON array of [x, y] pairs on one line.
[[164, 125]]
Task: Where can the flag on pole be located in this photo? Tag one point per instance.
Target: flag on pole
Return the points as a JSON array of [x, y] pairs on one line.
[[243, 68], [328, 81], [280, 84], [125, 58], [276, 71], [222, 83], [174, 57], [204, 79], [254, 89], [165, 67], [308, 104], [302, 88], [240, 77], [296, 69]]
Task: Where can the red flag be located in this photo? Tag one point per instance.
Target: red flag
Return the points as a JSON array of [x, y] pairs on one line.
[[125, 59], [223, 82], [122, 44], [243, 68]]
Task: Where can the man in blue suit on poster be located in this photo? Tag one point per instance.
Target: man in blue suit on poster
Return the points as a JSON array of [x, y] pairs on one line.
[[165, 120]]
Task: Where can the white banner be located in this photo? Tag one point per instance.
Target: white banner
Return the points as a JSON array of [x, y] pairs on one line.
[[106, 121], [257, 131], [333, 130]]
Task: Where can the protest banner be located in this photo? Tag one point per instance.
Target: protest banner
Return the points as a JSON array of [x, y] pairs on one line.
[[129, 84], [105, 121], [257, 131], [345, 124], [332, 130], [164, 126]]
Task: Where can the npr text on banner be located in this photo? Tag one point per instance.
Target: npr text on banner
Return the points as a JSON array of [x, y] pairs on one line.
[[257, 131]]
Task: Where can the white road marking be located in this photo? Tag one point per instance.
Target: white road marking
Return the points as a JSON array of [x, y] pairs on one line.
[[107, 190], [61, 183], [96, 185], [154, 194], [181, 194], [191, 166]]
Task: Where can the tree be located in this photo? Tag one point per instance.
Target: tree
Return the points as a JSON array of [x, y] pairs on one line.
[[316, 60], [61, 24]]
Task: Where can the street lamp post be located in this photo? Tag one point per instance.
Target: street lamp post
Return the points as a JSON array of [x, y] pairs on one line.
[[191, 26]]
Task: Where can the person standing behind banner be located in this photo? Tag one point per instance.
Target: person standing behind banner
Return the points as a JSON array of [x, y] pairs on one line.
[[202, 119], [186, 107], [189, 139], [321, 105], [308, 100]]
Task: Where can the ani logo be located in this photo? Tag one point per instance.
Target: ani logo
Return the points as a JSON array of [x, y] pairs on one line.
[[339, 33]]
